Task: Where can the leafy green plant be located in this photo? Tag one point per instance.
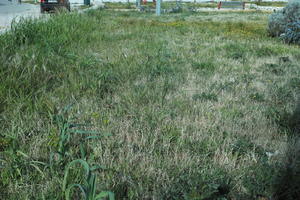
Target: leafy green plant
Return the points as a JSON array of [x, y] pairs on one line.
[[89, 188], [66, 129]]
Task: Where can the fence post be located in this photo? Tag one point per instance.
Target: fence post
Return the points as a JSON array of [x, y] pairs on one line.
[[158, 7], [138, 4], [219, 5]]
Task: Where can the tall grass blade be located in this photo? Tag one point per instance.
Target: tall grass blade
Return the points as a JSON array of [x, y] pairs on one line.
[[38, 169], [22, 154], [84, 164], [68, 107], [104, 194], [82, 151], [96, 167], [83, 132], [68, 191], [98, 136]]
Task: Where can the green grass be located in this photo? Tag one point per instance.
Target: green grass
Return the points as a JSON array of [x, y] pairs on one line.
[[194, 102]]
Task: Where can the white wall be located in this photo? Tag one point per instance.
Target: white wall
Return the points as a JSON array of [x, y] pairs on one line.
[[76, 1]]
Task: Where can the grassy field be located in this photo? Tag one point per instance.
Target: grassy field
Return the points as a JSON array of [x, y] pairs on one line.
[[190, 106]]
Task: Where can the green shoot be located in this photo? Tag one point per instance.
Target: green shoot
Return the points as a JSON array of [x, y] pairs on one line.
[[88, 190]]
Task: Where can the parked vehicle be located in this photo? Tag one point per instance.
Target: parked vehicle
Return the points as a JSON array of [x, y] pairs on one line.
[[52, 5]]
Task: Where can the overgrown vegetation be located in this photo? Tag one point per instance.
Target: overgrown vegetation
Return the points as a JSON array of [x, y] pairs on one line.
[[286, 23], [195, 104]]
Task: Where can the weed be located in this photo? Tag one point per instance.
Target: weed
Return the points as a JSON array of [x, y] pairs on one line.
[[274, 68], [205, 97], [66, 129], [257, 97], [89, 189], [266, 51], [294, 83], [236, 51], [204, 66], [260, 177], [243, 146]]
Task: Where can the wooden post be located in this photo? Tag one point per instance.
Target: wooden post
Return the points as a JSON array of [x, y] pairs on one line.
[[219, 5], [158, 7]]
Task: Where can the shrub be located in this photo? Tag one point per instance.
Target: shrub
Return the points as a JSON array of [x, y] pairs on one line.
[[286, 23], [292, 32], [276, 24], [292, 11]]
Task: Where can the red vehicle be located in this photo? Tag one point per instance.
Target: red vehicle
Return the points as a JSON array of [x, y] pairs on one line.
[[52, 5]]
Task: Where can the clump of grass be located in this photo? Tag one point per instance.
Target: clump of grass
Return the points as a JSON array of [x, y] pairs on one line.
[[205, 97], [245, 30], [257, 97], [204, 66], [243, 146], [236, 51], [274, 68], [294, 83]]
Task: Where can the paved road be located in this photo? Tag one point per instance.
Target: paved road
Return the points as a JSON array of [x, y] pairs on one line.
[[10, 10]]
